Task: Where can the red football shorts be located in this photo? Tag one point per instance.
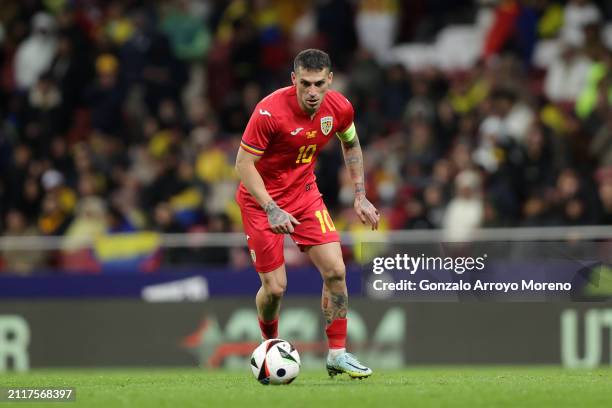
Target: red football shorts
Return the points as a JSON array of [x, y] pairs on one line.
[[266, 248]]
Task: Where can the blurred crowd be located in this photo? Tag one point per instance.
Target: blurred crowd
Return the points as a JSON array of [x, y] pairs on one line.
[[124, 116]]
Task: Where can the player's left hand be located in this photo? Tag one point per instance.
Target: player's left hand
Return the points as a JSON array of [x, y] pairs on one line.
[[368, 214]]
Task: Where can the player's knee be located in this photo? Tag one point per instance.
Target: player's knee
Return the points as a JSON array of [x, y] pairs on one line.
[[335, 274], [276, 290]]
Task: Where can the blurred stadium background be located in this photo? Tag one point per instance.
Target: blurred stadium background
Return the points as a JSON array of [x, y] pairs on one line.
[[121, 242]]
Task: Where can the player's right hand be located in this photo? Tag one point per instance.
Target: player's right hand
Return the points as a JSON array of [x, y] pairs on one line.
[[281, 222]]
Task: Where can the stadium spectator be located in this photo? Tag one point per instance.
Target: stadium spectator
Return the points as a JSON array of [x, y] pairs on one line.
[[21, 261], [537, 165], [165, 221], [572, 202], [336, 26], [30, 199], [188, 35], [215, 255], [35, 54], [598, 89], [503, 28], [88, 224], [70, 70], [465, 211], [106, 96], [44, 112], [52, 219], [515, 115], [395, 93], [433, 199], [163, 74], [54, 184], [535, 212], [577, 15], [376, 24], [567, 75]]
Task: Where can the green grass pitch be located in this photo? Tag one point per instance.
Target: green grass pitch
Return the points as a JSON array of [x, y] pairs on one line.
[[415, 387]]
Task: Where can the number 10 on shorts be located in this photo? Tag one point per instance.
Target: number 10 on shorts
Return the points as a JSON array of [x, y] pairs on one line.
[[325, 221]]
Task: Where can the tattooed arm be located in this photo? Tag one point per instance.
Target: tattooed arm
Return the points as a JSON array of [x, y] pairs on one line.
[[353, 158], [281, 222]]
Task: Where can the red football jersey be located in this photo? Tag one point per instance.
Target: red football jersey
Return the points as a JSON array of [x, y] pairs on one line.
[[289, 141]]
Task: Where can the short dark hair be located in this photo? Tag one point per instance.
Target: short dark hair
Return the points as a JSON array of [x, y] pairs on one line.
[[312, 60]]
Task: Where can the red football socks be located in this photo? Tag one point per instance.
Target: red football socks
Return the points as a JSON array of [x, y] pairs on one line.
[[336, 334], [269, 330]]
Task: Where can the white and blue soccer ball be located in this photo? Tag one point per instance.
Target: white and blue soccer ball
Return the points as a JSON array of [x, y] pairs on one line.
[[276, 362]]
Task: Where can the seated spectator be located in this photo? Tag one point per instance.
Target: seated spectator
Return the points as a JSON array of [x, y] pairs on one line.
[[35, 54], [465, 212], [22, 261], [598, 88], [88, 224], [567, 75], [106, 96]]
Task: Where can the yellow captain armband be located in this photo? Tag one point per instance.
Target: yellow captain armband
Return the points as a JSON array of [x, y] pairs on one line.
[[348, 135]]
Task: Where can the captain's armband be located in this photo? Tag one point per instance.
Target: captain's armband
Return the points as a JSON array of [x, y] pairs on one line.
[[348, 135]]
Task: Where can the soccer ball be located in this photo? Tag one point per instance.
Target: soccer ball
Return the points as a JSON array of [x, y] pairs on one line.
[[275, 361]]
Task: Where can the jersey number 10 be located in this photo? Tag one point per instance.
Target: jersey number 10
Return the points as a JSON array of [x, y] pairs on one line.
[[305, 154]]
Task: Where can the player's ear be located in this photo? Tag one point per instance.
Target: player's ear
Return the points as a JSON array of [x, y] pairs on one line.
[[293, 78], [330, 77]]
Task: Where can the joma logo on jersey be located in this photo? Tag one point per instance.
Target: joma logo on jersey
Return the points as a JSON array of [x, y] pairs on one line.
[[327, 123], [296, 131], [311, 134]]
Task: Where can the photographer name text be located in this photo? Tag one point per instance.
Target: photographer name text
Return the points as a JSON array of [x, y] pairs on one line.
[[478, 285]]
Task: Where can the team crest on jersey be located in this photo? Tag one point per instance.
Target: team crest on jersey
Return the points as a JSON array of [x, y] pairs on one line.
[[253, 256], [327, 123]]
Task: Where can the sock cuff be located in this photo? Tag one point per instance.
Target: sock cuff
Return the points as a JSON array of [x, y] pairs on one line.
[[337, 324], [275, 321], [336, 334], [269, 330]]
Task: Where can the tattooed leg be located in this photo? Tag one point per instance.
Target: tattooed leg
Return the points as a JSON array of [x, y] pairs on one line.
[[334, 304], [334, 299]]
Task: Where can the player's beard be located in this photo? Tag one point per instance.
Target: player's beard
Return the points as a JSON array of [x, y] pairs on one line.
[[312, 108]]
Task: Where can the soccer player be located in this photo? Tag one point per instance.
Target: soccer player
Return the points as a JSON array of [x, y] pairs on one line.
[[278, 195]]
